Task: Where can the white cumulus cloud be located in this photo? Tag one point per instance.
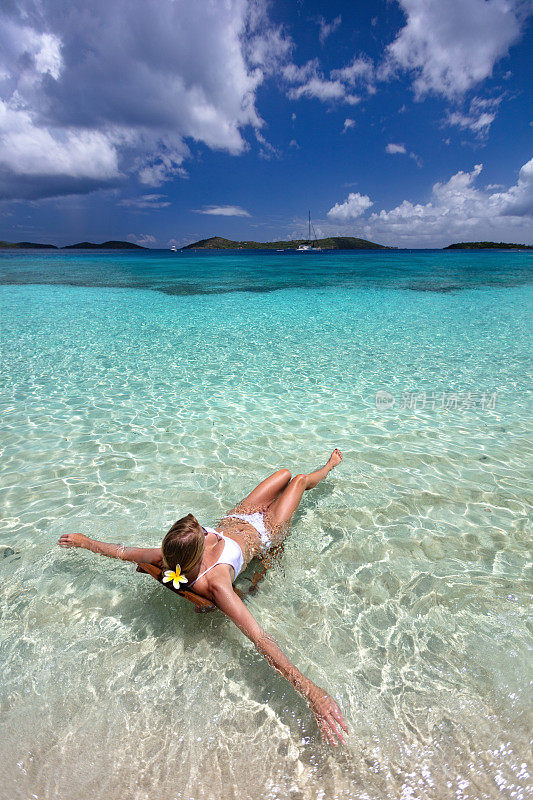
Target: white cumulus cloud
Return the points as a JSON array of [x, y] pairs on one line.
[[518, 199], [450, 46], [478, 118], [118, 87], [360, 72], [30, 150], [348, 123], [354, 205], [395, 148], [324, 90], [144, 239], [459, 211], [309, 81], [146, 201], [223, 211], [327, 28]]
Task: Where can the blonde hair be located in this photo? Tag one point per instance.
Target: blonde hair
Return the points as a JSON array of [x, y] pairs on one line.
[[184, 544]]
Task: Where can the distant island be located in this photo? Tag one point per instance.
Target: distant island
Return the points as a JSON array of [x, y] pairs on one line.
[[331, 243], [219, 243], [112, 245], [23, 245], [488, 246]]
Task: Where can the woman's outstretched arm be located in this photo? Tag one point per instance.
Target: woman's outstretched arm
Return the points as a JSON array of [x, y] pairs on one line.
[[147, 555], [327, 713]]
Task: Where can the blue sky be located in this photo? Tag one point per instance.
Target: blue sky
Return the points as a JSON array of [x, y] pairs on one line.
[[407, 122]]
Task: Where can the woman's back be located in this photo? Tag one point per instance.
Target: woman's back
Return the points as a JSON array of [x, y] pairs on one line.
[[231, 555]]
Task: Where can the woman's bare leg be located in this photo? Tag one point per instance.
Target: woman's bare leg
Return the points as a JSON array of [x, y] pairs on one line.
[[264, 494], [282, 509]]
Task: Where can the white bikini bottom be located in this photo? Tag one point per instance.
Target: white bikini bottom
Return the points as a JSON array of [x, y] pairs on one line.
[[257, 521]]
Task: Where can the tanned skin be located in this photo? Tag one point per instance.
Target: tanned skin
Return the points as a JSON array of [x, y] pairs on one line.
[[277, 498]]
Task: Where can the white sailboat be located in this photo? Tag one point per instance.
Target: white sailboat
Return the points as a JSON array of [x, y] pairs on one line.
[[309, 247]]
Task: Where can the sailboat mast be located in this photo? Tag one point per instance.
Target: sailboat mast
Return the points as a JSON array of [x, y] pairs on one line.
[[309, 224]]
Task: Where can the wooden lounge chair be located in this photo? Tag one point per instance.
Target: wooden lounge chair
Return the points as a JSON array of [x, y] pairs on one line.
[[199, 602]]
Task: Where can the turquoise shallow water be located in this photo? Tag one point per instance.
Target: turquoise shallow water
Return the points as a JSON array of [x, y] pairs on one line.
[[137, 387]]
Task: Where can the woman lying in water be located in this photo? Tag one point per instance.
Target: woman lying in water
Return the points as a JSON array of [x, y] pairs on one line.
[[209, 560]]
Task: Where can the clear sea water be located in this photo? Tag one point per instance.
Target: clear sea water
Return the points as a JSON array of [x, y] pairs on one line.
[[139, 386]]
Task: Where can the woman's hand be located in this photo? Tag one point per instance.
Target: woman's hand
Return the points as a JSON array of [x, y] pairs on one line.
[[73, 540], [327, 714]]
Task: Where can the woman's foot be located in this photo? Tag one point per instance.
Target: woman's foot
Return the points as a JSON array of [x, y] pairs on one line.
[[314, 478], [335, 458]]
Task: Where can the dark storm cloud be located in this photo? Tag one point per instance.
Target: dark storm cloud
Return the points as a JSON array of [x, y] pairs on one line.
[[39, 187]]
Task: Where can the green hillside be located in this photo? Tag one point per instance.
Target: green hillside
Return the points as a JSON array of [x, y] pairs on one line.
[[331, 243], [488, 246], [111, 245], [24, 245]]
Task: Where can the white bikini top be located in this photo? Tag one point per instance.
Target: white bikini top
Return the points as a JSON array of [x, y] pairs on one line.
[[231, 554]]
